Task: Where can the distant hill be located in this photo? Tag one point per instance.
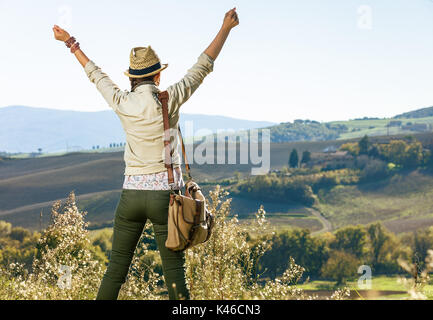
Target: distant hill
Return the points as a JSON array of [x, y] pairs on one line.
[[25, 129], [309, 130], [419, 113], [306, 130], [298, 130], [28, 187]]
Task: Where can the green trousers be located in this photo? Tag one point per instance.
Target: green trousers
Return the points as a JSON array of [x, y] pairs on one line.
[[133, 210]]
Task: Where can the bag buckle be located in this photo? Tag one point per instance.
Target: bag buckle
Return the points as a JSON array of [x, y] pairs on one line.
[[171, 185]]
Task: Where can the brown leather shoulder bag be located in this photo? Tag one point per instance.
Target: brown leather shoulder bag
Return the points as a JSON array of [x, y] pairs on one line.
[[189, 221]]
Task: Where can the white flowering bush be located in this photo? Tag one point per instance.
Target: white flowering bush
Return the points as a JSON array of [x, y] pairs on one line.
[[68, 266], [225, 266]]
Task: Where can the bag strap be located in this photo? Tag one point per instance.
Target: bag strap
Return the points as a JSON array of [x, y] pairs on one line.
[[163, 97], [168, 163], [187, 167]]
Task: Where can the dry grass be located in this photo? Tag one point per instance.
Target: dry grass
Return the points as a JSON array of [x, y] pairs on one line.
[[222, 268]]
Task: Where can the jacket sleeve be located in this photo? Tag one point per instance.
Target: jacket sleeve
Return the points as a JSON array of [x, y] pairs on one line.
[[109, 90], [180, 92]]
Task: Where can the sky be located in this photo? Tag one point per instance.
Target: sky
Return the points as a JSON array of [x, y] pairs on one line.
[[307, 59]]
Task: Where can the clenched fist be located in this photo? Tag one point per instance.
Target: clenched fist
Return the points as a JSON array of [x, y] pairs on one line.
[[60, 34], [231, 19]]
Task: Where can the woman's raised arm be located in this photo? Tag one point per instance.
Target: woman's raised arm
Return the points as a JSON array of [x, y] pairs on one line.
[[109, 90], [63, 35], [180, 92], [231, 20]]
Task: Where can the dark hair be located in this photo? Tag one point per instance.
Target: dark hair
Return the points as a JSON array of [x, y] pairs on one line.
[[135, 81]]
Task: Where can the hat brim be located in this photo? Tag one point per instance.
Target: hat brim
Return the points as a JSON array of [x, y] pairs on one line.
[[164, 65]]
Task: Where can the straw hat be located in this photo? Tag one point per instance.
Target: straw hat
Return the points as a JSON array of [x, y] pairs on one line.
[[143, 62]]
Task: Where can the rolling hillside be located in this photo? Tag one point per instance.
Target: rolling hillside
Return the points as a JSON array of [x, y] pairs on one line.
[[378, 127], [29, 186], [403, 202], [309, 130], [419, 113], [25, 129]]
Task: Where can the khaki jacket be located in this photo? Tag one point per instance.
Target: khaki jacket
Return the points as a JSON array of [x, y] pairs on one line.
[[140, 114]]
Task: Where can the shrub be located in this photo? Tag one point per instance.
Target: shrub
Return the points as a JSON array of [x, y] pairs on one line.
[[19, 234], [282, 189], [225, 267], [103, 240], [351, 239], [341, 266], [374, 170], [407, 155], [310, 252], [5, 229], [351, 147]]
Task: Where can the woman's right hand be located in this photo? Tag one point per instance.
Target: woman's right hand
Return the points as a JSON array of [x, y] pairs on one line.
[[60, 34], [231, 19]]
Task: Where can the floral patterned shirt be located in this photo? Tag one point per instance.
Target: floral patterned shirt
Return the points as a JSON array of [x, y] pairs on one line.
[[153, 181]]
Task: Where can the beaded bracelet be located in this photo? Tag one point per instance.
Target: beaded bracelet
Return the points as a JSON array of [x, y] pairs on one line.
[[75, 47], [70, 42]]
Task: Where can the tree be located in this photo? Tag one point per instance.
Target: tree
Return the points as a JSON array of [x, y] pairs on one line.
[[413, 155], [40, 150], [363, 145], [385, 249], [403, 154], [394, 151], [351, 239], [422, 242], [351, 147], [306, 156], [341, 266], [294, 159], [310, 252]]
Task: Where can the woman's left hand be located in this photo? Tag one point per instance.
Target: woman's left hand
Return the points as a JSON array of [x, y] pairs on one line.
[[60, 34]]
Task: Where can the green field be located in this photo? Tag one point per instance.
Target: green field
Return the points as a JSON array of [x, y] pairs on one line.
[[281, 216], [403, 202], [359, 128]]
